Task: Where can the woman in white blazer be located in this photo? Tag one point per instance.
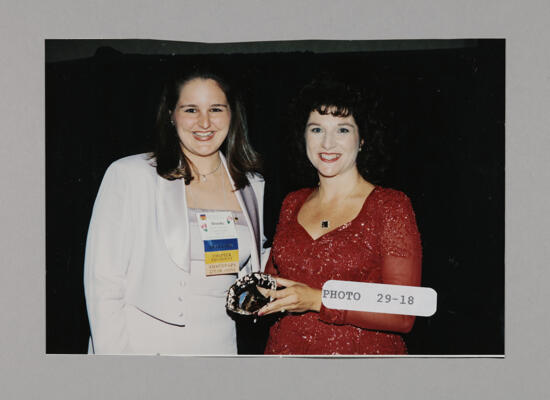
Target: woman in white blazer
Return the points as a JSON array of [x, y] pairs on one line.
[[146, 288]]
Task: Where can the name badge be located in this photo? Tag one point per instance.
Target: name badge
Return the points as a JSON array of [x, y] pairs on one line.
[[221, 247]]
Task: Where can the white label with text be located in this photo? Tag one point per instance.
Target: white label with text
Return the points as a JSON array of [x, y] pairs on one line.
[[380, 298]]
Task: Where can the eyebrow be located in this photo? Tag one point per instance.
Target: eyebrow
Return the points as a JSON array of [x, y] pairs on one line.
[[342, 124], [211, 105]]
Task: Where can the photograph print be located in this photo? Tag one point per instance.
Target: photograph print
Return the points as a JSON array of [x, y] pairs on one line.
[[199, 196]]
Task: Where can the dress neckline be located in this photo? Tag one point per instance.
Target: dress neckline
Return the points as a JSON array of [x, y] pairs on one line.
[[339, 227]]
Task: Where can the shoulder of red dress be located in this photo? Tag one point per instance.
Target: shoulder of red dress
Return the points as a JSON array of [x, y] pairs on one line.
[[295, 199], [298, 195], [390, 198], [389, 194]]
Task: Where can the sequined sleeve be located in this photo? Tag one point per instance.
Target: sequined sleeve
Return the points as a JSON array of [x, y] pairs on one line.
[[399, 235], [401, 261]]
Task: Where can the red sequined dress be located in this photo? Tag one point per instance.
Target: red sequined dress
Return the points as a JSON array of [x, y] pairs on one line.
[[380, 245]]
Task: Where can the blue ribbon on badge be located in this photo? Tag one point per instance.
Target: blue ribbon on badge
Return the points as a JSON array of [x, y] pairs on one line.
[[221, 245]]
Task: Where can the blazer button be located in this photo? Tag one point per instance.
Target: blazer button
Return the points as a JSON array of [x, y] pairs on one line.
[[181, 315], [182, 283], [180, 298]]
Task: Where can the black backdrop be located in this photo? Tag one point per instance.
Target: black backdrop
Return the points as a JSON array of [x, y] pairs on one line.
[[446, 117]]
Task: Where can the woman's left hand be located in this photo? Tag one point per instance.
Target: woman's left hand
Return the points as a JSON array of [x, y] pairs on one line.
[[296, 297]]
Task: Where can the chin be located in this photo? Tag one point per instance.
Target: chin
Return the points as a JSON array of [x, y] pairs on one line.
[[327, 174], [207, 150], [201, 152], [207, 153]]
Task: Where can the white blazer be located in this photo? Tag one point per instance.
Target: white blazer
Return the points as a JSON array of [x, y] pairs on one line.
[[137, 249]]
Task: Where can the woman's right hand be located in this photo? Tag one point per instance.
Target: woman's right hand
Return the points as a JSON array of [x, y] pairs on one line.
[[295, 297]]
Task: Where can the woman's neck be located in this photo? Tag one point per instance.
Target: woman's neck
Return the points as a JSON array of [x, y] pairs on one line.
[[332, 188], [204, 165]]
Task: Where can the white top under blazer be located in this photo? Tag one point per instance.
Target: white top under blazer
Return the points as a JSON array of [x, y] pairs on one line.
[[137, 249]]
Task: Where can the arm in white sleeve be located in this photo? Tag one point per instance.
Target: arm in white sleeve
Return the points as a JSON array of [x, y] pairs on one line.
[[108, 250]]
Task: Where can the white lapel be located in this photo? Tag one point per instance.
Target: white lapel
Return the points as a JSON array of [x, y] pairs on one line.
[[173, 219]]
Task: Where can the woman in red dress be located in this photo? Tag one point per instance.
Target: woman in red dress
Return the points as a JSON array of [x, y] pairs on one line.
[[344, 229]]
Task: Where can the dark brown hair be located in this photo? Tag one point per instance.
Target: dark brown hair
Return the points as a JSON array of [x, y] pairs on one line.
[[340, 99], [171, 162]]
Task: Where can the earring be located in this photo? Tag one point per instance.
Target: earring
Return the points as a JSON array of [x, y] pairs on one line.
[[360, 148], [172, 122]]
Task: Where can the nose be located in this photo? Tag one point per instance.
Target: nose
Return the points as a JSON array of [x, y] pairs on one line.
[[328, 141], [204, 120]]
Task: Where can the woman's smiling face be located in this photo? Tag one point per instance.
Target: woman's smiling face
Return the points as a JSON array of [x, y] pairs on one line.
[[201, 117], [332, 143]]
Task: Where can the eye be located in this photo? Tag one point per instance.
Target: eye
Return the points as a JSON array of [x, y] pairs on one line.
[[343, 130], [216, 109], [315, 129], [190, 110]]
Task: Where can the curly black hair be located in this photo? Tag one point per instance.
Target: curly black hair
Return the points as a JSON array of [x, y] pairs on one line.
[[340, 99]]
